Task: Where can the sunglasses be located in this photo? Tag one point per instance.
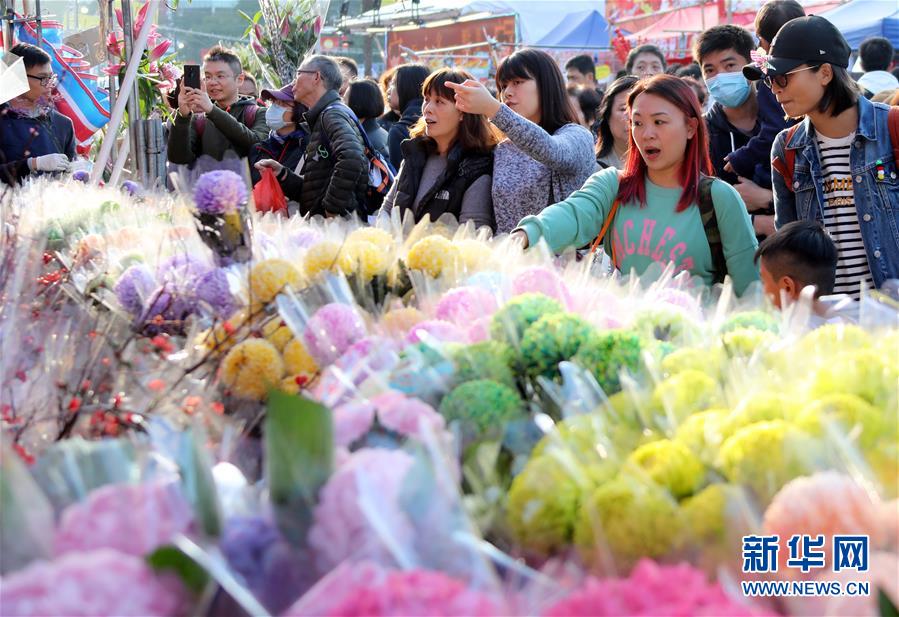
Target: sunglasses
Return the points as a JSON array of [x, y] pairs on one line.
[[782, 80], [48, 80]]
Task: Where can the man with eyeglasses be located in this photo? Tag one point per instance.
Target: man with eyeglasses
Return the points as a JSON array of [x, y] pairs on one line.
[[34, 138], [334, 176], [216, 119]]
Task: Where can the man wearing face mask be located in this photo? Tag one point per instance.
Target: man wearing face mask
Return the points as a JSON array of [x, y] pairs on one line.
[[735, 119], [287, 141]]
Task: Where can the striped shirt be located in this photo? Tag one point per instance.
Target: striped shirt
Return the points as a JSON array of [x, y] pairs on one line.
[[841, 216]]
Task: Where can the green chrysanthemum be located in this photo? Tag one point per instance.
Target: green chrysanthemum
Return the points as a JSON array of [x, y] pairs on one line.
[[833, 339], [666, 324], [754, 320], [487, 360], [702, 433], [671, 465], [705, 514], [865, 373], [553, 339], [766, 455], [545, 497], [631, 518], [511, 321], [743, 342], [760, 407], [683, 394], [849, 412], [482, 404], [708, 361], [607, 354]]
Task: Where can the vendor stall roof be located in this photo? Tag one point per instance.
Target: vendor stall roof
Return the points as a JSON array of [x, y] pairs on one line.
[[861, 19], [587, 30], [536, 18]]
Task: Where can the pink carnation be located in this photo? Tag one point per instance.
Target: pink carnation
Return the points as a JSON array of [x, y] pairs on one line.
[[542, 280], [341, 528], [352, 421], [101, 582], [464, 305], [131, 518], [651, 589], [366, 589], [331, 331], [407, 416], [441, 330], [826, 503]]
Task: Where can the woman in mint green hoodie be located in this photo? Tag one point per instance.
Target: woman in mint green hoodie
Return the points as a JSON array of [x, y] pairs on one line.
[[653, 211]]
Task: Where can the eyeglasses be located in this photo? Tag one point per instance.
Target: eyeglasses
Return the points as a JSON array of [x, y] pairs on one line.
[[46, 80], [300, 71], [782, 80]]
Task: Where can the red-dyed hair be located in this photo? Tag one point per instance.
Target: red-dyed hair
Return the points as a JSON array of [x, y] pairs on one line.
[[632, 186]]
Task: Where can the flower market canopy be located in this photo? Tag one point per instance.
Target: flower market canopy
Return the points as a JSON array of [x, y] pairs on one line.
[[536, 18], [588, 30], [861, 19]]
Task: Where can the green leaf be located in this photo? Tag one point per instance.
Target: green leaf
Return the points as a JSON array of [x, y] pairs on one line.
[[197, 480], [885, 606], [299, 450], [171, 559]]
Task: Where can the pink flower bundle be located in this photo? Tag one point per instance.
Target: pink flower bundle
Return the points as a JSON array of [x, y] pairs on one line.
[[464, 305], [369, 590], [134, 519], [341, 528], [441, 330], [542, 280], [102, 582], [397, 412], [331, 331], [651, 589]]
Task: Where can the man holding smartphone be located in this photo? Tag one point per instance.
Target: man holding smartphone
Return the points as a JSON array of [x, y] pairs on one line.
[[212, 117]]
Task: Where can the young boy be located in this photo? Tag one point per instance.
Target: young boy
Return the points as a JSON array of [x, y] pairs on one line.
[[801, 254]]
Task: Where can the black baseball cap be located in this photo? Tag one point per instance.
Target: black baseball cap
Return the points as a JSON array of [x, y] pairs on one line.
[[805, 40]]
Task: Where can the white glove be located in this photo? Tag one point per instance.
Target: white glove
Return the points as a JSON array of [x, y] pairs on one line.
[[50, 162]]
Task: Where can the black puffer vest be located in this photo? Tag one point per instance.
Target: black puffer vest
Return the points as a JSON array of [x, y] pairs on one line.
[[462, 169]]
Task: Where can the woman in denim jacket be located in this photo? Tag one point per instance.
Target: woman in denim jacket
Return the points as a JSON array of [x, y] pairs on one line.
[[844, 174]]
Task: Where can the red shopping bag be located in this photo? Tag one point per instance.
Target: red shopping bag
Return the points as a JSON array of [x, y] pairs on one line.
[[268, 194]]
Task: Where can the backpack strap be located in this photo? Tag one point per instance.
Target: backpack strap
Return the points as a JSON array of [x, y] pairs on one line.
[[710, 225], [893, 122], [785, 166]]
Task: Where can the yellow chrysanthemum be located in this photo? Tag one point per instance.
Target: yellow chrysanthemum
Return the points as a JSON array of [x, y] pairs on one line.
[[398, 321], [277, 333], [434, 255], [223, 336], [297, 360], [474, 254], [368, 259], [327, 256], [268, 278], [251, 368], [378, 237]]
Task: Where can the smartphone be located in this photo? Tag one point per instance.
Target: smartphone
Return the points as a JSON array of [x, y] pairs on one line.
[[191, 76]]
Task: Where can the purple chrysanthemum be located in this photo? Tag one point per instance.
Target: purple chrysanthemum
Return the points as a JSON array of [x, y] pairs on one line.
[[134, 287], [331, 331], [304, 238], [220, 192], [181, 269], [165, 312], [212, 288]]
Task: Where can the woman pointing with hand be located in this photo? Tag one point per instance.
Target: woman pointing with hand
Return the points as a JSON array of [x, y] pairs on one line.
[[545, 155]]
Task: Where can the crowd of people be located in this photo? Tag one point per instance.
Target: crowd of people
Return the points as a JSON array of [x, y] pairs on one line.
[[769, 142]]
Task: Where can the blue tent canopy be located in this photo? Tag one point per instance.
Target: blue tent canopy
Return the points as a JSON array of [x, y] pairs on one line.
[[860, 19], [586, 30]]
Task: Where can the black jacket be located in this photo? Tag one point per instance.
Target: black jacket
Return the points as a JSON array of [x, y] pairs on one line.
[[23, 137], [377, 136], [399, 132], [287, 151], [725, 138], [445, 195], [334, 179]]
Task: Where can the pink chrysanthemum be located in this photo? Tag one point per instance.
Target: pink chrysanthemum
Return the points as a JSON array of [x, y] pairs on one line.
[[131, 518], [542, 280], [101, 582], [331, 331], [464, 305], [651, 589], [407, 416], [366, 589], [352, 421], [341, 528], [441, 330]]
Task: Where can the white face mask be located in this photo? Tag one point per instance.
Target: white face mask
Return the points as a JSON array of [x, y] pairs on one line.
[[274, 117]]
